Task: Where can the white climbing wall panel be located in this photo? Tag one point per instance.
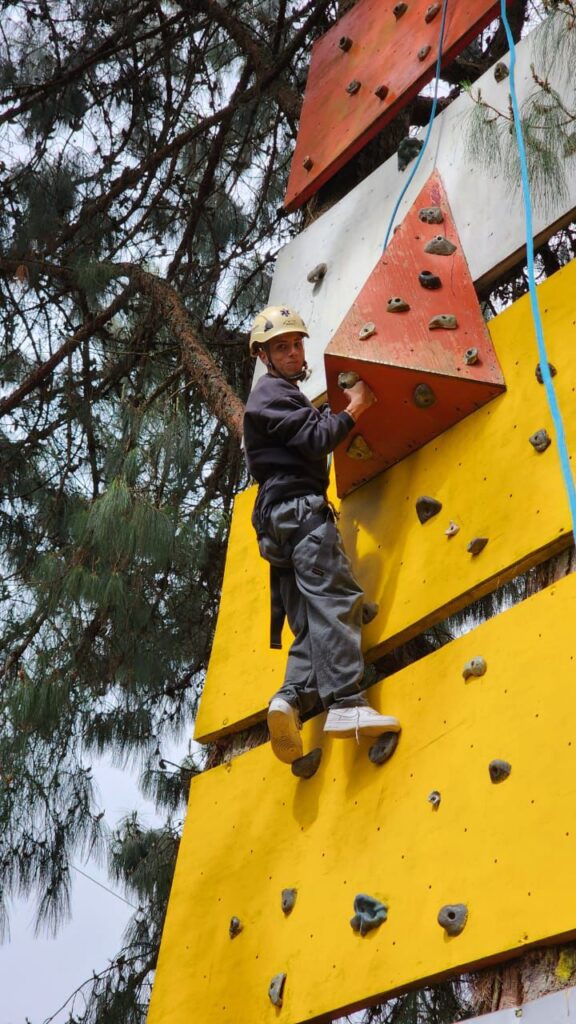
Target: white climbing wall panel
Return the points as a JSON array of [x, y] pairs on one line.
[[558, 1008]]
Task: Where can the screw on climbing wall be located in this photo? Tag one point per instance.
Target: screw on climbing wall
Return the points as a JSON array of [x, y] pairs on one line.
[[381, 92], [453, 529], [359, 449], [345, 43], [276, 989], [397, 305], [477, 545], [538, 372], [235, 927], [453, 917], [541, 440], [347, 379], [434, 798], [399, 9], [431, 12], [471, 356], [317, 274], [367, 331], [423, 52], [353, 87], [288, 900], [475, 667], [440, 246], [499, 770], [307, 766], [408, 148], [369, 913], [443, 321], [423, 396], [427, 508], [429, 280], [431, 215], [307, 163], [500, 71], [382, 750]]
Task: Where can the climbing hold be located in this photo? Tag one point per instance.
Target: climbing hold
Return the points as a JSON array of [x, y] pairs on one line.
[[434, 798], [307, 163], [353, 87], [474, 667], [276, 989], [307, 766], [423, 52], [381, 92], [423, 396], [369, 913], [429, 280], [382, 750], [440, 246], [453, 529], [367, 331], [427, 508], [443, 321], [407, 150], [235, 927], [540, 440], [431, 12], [347, 379], [370, 610], [317, 274], [431, 215], [359, 449], [500, 71], [345, 43], [397, 305], [288, 900], [471, 356], [453, 917], [399, 9], [499, 770], [477, 545], [538, 371]]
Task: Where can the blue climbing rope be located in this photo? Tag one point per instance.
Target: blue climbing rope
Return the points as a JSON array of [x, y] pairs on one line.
[[429, 129], [546, 376]]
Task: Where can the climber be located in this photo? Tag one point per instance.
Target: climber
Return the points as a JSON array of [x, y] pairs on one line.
[[287, 443]]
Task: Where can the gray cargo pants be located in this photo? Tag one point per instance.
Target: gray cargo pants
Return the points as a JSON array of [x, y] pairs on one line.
[[324, 609]]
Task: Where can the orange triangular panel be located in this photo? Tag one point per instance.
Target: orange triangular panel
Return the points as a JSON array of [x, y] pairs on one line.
[[404, 352]]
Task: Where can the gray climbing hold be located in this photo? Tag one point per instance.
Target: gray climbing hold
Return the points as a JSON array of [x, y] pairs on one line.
[[423, 396], [431, 12], [427, 508], [381, 92], [359, 449], [538, 372], [382, 750], [399, 9], [541, 440], [431, 215], [345, 43], [347, 379], [500, 71], [443, 321], [307, 766], [276, 989], [317, 274], [367, 331], [307, 163], [353, 87], [440, 246], [453, 529], [423, 52], [370, 610], [397, 305], [499, 770], [288, 900], [407, 150], [235, 927], [471, 356], [477, 545], [474, 667], [453, 917], [429, 280], [435, 798], [369, 913]]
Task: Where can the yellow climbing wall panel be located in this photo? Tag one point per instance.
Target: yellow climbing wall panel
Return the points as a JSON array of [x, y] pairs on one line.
[[491, 483], [507, 851]]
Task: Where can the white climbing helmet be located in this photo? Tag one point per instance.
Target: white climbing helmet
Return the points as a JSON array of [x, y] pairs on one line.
[[272, 322]]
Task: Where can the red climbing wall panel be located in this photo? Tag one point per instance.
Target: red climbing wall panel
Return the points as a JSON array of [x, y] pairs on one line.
[[404, 353], [386, 51]]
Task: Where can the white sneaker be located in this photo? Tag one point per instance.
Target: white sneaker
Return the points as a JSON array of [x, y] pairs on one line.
[[284, 726], [362, 720]]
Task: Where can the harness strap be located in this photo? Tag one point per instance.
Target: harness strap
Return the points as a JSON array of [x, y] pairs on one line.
[[277, 609]]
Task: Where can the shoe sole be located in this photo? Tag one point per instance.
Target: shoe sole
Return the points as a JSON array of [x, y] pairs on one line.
[[284, 737], [348, 732]]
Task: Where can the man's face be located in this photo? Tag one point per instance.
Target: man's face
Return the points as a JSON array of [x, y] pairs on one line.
[[287, 353]]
